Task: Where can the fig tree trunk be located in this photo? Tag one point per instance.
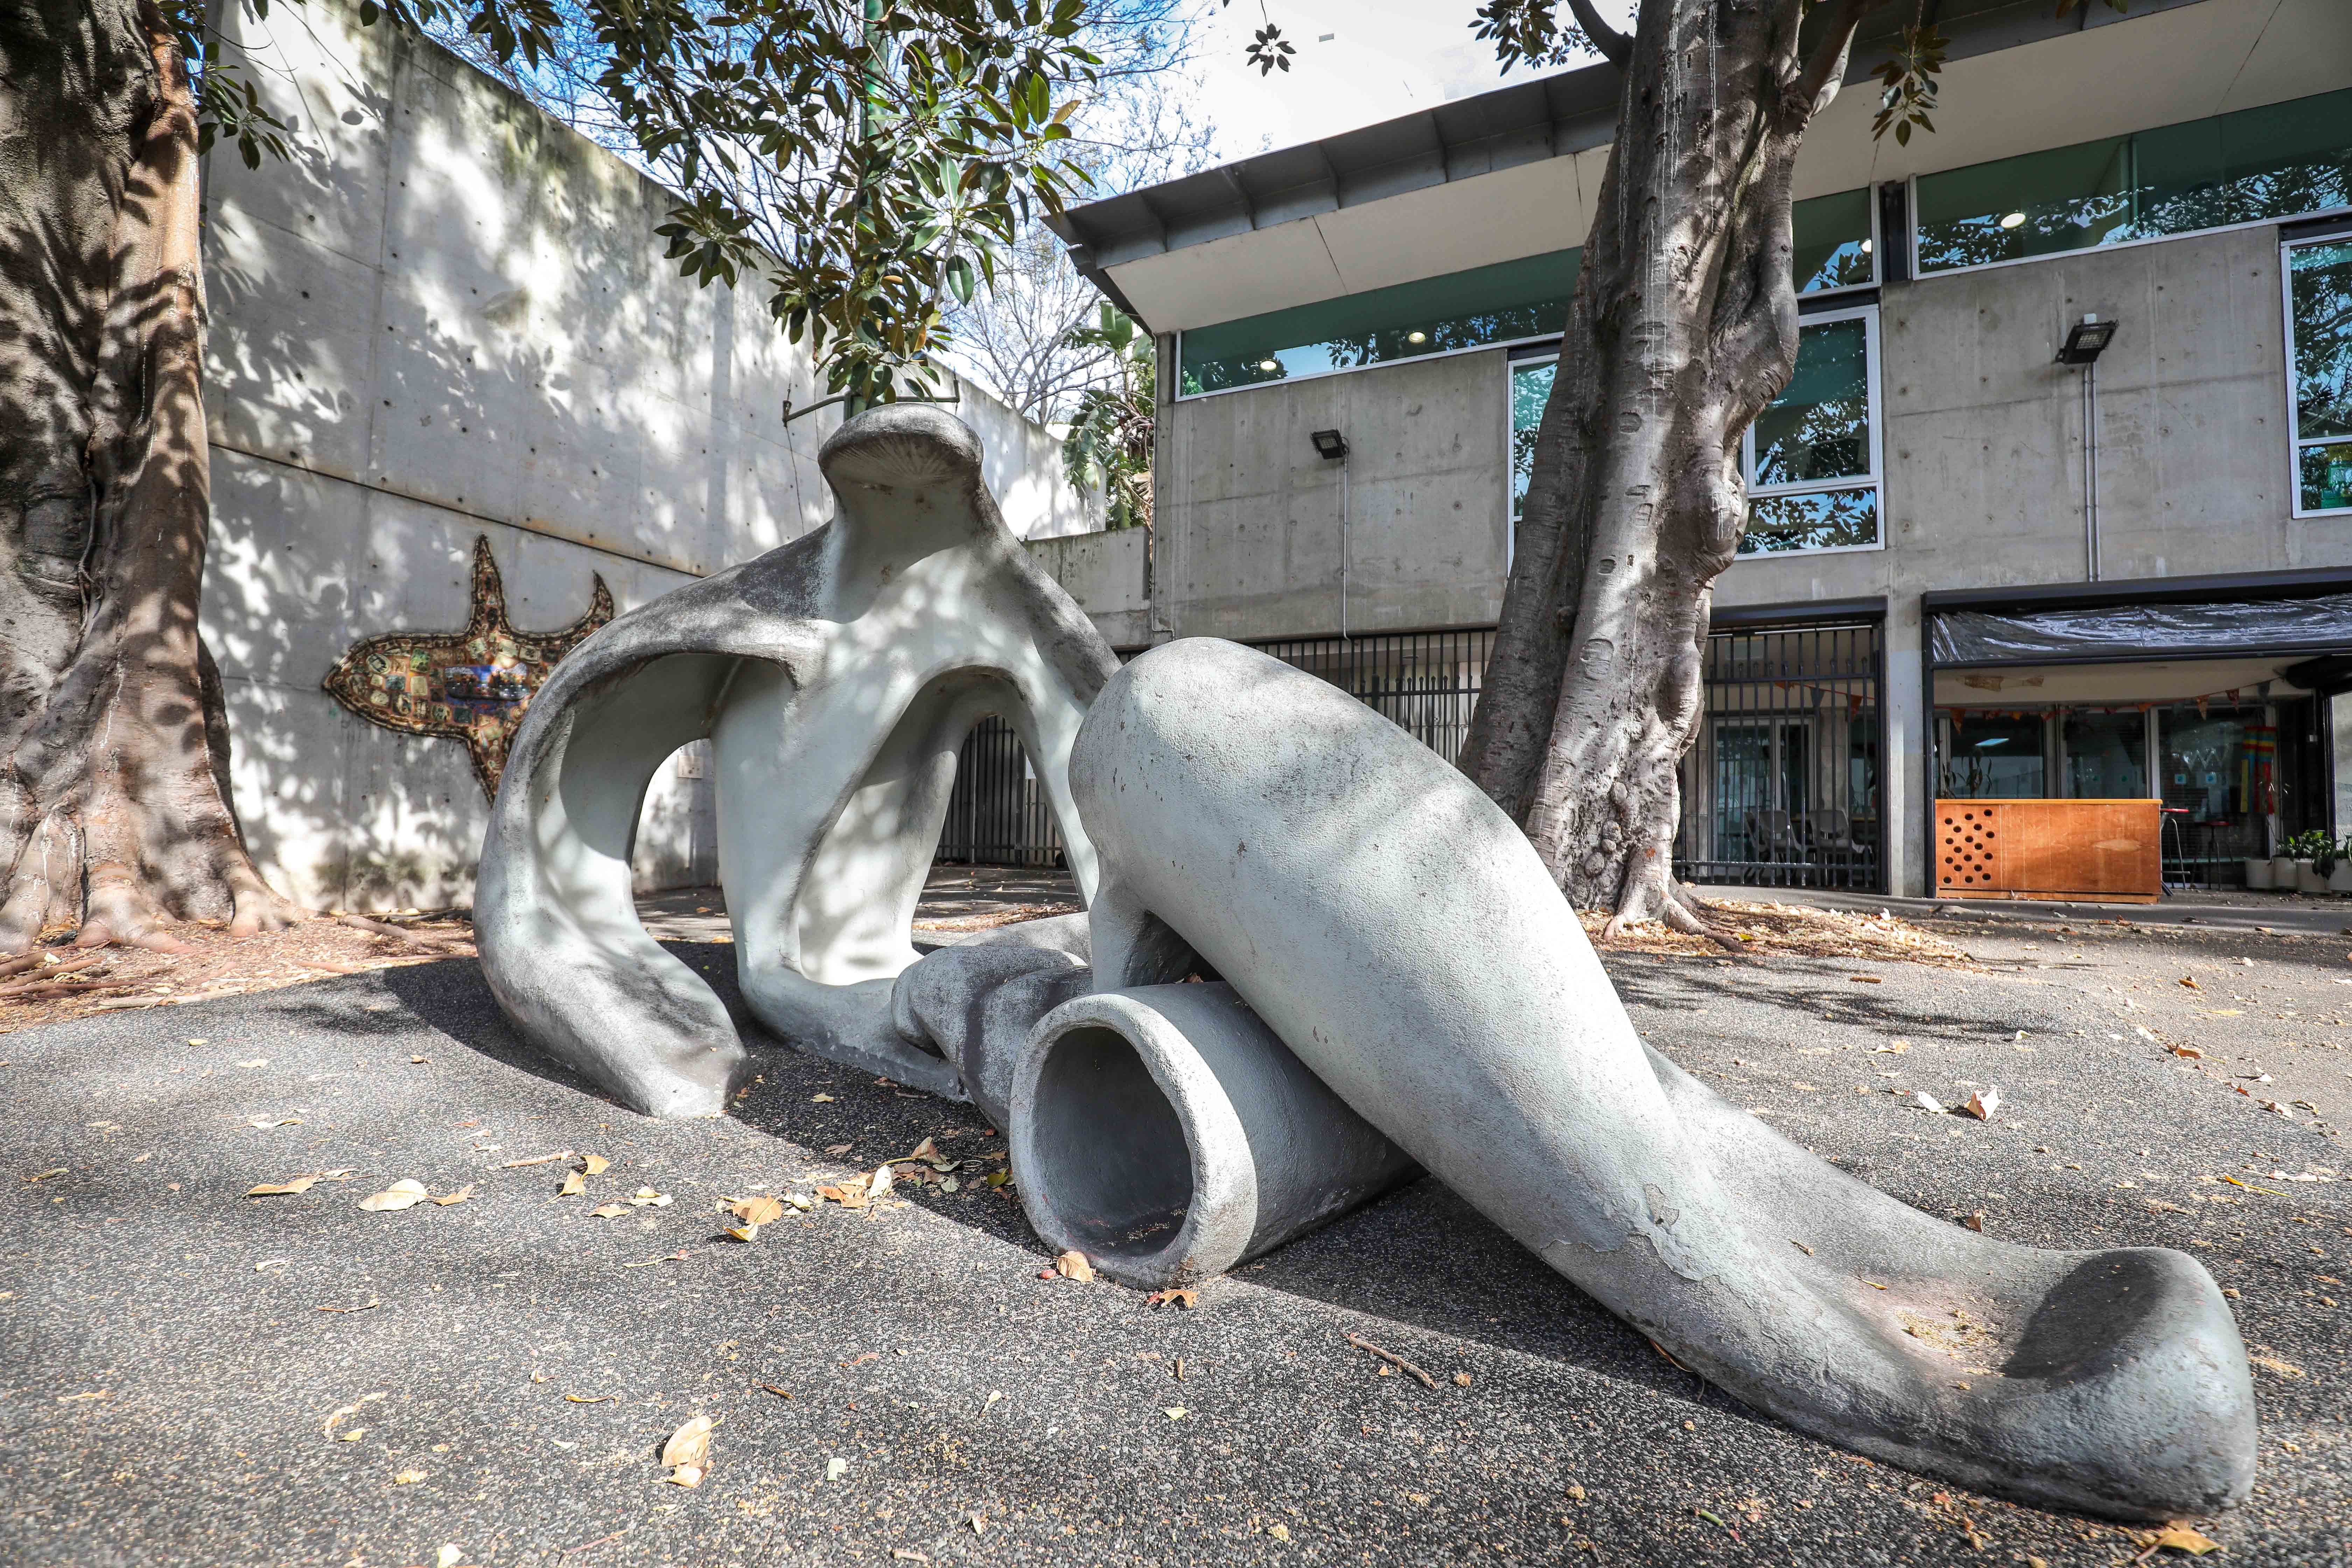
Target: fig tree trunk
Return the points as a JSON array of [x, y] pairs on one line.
[[114, 811], [1684, 327]]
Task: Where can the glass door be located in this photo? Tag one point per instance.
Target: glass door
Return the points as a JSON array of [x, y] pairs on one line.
[[2107, 754]]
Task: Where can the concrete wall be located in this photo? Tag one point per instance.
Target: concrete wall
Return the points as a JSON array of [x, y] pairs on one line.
[[447, 316], [1983, 483], [1110, 574], [1249, 517]]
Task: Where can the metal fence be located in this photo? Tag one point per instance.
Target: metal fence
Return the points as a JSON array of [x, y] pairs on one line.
[[1781, 789], [996, 814], [1781, 785], [1426, 682]]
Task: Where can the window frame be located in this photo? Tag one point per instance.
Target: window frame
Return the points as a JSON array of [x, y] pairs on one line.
[[1911, 225], [1877, 250], [1876, 480], [2295, 441], [1512, 366]]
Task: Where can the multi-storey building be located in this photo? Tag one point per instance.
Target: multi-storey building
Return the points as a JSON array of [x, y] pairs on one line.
[[1976, 564]]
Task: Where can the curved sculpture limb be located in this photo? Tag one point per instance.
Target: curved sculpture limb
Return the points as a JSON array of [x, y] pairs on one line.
[[835, 677], [1398, 933]]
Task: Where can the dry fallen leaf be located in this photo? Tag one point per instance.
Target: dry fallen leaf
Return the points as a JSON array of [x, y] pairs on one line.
[[2190, 982], [451, 1555], [591, 1398], [575, 1184], [839, 1148], [1461, 1380], [688, 1452], [2191, 1052], [267, 1123], [758, 1211], [1927, 1101], [1073, 1266], [1982, 1105], [742, 1233], [1188, 1300], [820, 1099], [281, 1189], [1891, 1048], [799, 1202], [880, 1182], [608, 1211], [677, 1257], [2181, 1537], [407, 1478], [595, 1165], [1175, 1412], [2272, 1363], [459, 1197], [406, 1193], [1867, 979], [646, 1197], [534, 1160], [835, 1467]]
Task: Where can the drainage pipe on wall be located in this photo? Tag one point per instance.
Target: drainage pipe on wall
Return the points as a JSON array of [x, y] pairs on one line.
[[2091, 469]]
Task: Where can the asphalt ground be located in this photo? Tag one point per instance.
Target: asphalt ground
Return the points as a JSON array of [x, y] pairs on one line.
[[188, 1375]]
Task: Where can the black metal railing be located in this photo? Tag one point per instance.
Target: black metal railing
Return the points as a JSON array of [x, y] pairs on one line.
[[1781, 789], [1781, 784], [1427, 683], [997, 815]]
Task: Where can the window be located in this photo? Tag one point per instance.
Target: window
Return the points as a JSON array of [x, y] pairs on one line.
[[1811, 457], [2254, 165], [2319, 373], [1833, 245], [1531, 390], [1479, 308], [1485, 307]]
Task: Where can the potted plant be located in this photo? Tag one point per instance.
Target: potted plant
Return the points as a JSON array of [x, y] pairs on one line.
[[2339, 879], [2314, 854], [2259, 876]]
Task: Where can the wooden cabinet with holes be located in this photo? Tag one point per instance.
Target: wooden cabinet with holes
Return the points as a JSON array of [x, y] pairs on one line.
[[2109, 850]]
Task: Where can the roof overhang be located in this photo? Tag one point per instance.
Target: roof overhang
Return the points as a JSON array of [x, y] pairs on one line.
[[1515, 171]]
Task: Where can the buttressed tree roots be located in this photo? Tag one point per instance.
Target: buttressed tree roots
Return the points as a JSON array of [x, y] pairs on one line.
[[1317, 960], [114, 807]]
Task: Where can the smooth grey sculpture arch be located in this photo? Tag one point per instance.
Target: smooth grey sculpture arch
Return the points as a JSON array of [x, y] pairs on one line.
[[835, 678], [1397, 934]]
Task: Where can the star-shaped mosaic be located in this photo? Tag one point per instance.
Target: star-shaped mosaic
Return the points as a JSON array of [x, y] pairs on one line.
[[472, 686]]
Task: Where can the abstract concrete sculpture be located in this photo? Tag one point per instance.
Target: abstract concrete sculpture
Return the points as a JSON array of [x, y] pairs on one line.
[[1315, 958], [835, 678]]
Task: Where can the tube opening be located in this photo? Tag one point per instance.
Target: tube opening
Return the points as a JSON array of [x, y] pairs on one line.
[[1113, 1160]]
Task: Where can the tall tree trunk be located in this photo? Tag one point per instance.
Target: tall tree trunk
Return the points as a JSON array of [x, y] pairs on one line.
[[112, 814], [1683, 326]]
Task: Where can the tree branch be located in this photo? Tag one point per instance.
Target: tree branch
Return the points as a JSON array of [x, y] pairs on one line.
[[1614, 45], [1825, 72]]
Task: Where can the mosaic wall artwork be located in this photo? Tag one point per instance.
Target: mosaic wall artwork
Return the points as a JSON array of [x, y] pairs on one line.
[[472, 686]]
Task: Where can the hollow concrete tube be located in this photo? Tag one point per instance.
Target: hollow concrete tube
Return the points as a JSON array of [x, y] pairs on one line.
[[1169, 1135]]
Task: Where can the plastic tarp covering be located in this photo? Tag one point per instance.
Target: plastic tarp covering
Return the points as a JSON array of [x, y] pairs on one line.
[[2141, 631]]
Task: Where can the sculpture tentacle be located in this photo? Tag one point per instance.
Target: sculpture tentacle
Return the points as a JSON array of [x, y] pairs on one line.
[[1398, 935]]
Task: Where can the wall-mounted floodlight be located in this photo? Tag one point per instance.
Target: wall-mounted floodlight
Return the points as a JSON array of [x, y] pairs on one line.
[[2086, 339], [1329, 445]]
